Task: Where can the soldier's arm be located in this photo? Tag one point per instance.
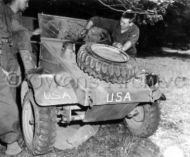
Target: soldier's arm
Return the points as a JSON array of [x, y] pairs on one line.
[[22, 38], [127, 46], [134, 36], [100, 22], [105, 23], [89, 24], [16, 26]]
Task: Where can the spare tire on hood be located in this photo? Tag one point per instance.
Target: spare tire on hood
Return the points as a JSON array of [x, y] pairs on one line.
[[106, 63]]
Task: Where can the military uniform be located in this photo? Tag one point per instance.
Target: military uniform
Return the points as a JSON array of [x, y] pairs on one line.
[[13, 38], [114, 28]]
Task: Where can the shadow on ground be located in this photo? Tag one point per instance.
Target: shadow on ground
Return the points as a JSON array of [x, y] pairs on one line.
[[112, 140]]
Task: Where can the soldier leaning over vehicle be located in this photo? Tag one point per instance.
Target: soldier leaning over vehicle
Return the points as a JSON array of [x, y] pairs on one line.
[[13, 38], [124, 33]]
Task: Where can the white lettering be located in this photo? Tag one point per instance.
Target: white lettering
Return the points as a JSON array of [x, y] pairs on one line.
[[108, 98], [51, 96], [66, 95], [47, 96], [118, 97], [54, 96], [127, 96]]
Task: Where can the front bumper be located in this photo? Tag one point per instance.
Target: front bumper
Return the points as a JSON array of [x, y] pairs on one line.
[[108, 112]]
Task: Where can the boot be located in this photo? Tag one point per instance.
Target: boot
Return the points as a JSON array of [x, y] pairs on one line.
[[13, 149]]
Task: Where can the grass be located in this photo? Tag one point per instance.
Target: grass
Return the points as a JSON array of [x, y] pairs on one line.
[[175, 111]]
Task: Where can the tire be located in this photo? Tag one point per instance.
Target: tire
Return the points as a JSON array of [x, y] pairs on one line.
[[117, 67], [39, 126], [98, 35], [146, 122]]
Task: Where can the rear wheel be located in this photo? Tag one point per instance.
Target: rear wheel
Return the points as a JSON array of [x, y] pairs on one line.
[[145, 120], [39, 126], [98, 35]]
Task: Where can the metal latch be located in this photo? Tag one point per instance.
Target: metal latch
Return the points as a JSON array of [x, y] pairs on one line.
[[6, 40]]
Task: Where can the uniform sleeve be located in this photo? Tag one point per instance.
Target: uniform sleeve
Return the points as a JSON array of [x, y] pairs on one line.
[[21, 34], [1, 16], [22, 40], [134, 36], [16, 26], [1, 6], [108, 24]]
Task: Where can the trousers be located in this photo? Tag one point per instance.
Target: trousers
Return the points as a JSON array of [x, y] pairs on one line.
[[9, 112]]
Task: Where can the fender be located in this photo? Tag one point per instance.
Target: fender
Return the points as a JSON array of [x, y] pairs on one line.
[[47, 92], [125, 96], [158, 95]]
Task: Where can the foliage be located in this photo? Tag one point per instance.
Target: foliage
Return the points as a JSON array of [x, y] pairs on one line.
[[148, 11]]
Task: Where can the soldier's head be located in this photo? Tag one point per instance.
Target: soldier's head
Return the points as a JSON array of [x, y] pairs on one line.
[[17, 5], [127, 19]]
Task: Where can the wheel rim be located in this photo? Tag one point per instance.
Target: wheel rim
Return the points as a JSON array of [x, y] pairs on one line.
[[109, 53], [28, 122], [137, 119]]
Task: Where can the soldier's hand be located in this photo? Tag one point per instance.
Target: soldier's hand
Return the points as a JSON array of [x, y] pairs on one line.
[[37, 32], [118, 45], [83, 33]]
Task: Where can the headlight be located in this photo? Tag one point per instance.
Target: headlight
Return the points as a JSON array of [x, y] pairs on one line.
[[151, 80]]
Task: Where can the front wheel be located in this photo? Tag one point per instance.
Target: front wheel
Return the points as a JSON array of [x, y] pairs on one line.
[[145, 120], [39, 126]]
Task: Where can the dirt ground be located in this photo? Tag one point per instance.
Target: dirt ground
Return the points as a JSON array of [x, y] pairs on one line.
[[113, 140]]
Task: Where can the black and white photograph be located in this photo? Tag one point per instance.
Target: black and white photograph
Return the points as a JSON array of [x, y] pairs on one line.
[[94, 78]]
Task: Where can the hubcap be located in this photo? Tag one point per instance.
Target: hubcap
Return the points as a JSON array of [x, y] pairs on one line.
[[139, 114], [109, 53], [138, 117], [28, 122]]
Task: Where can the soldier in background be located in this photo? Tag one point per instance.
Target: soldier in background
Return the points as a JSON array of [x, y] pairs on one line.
[[13, 38], [124, 33]]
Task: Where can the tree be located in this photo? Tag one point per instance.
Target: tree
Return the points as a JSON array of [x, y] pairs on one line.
[[148, 11], [161, 21]]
